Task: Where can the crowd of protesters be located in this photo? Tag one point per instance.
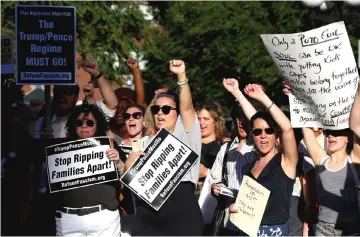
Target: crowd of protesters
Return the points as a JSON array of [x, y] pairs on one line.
[[312, 174]]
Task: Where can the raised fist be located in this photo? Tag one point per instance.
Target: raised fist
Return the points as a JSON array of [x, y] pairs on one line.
[[231, 85], [89, 89], [132, 64], [91, 67], [254, 91], [177, 66]]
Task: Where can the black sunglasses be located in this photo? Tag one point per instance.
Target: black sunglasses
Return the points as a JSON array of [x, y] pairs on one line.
[[80, 122], [258, 131], [165, 109], [136, 115], [335, 133]]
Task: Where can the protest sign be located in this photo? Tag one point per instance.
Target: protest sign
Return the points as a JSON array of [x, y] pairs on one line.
[[7, 66], [126, 149], [79, 163], [320, 67], [155, 175], [45, 45], [250, 203]]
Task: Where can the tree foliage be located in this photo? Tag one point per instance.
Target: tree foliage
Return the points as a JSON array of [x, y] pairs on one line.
[[222, 39], [106, 30]]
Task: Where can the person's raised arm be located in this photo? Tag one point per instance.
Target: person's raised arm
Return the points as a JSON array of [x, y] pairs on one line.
[[138, 82], [107, 92], [187, 111], [354, 119], [287, 133], [232, 85]]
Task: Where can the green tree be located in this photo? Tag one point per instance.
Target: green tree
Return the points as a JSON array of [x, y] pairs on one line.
[[222, 39], [106, 30]]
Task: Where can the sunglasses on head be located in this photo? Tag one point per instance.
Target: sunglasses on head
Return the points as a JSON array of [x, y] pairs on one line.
[[258, 131], [89, 122], [165, 109], [335, 133], [136, 115]]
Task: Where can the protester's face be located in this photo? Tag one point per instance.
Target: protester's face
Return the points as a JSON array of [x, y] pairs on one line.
[[336, 140], [207, 123], [265, 141], [122, 105], [242, 127], [66, 100], [162, 120], [134, 121], [88, 127]]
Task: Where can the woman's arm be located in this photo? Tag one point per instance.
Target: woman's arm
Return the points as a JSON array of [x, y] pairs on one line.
[[138, 82], [317, 153], [354, 119], [187, 111], [232, 85], [288, 140]]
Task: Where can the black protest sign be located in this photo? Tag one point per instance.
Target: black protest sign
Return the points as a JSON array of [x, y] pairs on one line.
[[126, 149], [7, 66], [79, 163], [45, 45], [155, 175]]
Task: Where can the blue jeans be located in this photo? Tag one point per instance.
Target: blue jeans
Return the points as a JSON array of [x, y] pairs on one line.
[[273, 230]]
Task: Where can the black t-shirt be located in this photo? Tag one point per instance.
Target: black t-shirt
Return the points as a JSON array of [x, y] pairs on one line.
[[209, 152], [280, 185]]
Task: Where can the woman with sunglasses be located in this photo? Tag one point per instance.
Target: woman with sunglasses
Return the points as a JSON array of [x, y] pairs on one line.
[[90, 210], [336, 182], [180, 214], [274, 169]]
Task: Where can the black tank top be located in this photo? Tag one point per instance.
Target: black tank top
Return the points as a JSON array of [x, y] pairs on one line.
[[280, 185]]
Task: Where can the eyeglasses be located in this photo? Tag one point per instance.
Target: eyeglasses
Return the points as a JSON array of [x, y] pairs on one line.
[[335, 133], [136, 115], [258, 131], [165, 109], [89, 122]]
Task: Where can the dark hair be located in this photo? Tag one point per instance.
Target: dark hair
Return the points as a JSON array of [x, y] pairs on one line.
[[140, 107], [87, 109], [238, 113], [347, 132], [266, 117], [171, 95]]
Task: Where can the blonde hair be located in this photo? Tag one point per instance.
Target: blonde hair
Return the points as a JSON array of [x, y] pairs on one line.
[[217, 114]]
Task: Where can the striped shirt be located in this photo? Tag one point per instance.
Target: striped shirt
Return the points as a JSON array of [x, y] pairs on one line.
[[337, 194], [232, 170]]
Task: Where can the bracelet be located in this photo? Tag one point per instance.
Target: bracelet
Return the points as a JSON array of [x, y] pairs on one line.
[[97, 77], [271, 104], [181, 83]]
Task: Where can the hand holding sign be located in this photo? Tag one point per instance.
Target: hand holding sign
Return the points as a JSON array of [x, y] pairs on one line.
[[133, 156]]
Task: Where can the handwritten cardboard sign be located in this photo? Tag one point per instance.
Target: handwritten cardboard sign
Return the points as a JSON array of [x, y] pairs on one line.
[[155, 175], [250, 202], [320, 67], [79, 163], [45, 45]]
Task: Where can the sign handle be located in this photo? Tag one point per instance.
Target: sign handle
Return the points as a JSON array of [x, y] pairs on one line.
[[47, 107]]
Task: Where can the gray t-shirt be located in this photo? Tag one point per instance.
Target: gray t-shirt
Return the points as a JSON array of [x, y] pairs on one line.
[[192, 139], [337, 194]]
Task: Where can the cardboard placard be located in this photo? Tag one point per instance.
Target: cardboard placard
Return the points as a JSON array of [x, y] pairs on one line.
[[45, 45], [250, 202], [320, 67], [155, 175], [79, 163]]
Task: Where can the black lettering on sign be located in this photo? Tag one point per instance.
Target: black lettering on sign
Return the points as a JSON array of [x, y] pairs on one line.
[[331, 59], [320, 81], [298, 75], [277, 42], [304, 55], [333, 47], [286, 65], [284, 57], [330, 34], [317, 53], [309, 66]]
